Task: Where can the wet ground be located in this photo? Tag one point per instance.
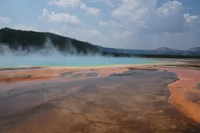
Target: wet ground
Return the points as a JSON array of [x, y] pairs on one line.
[[135, 101]]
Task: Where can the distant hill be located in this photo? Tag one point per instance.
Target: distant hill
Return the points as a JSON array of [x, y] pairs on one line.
[[168, 51], [196, 49], [29, 40], [159, 51], [165, 50]]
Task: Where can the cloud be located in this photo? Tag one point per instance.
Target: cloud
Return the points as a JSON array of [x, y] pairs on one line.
[[110, 23], [74, 4], [115, 39], [64, 3], [135, 24], [134, 10], [112, 39], [123, 34], [78, 32], [167, 18], [171, 7], [147, 17], [193, 21], [61, 31], [60, 17], [190, 18], [109, 3], [89, 10], [141, 24], [24, 27], [5, 19], [88, 35]]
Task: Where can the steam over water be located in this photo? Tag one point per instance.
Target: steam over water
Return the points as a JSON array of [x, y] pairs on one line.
[[50, 56]]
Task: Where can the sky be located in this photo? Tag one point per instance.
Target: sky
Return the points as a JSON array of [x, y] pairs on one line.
[[127, 24]]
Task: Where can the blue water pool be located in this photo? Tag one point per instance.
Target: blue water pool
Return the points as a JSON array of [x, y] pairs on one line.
[[71, 61]]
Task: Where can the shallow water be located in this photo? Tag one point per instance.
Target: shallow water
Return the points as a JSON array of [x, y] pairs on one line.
[[71, 61]]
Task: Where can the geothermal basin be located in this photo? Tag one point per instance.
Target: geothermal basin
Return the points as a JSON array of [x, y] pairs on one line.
[[148, 98]]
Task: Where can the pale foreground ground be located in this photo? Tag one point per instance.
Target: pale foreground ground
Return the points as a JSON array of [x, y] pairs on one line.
[[132, 99]]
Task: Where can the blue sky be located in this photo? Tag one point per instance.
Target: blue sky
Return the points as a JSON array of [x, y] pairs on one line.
[[133, 24]]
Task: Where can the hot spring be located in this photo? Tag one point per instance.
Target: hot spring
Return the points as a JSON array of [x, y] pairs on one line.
[[71, 61]]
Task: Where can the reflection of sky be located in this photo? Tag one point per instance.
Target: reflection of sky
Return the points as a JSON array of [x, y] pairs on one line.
[[57, 60]]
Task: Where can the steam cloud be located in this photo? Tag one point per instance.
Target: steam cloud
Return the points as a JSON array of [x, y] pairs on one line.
[[48, 50], [49, 55]]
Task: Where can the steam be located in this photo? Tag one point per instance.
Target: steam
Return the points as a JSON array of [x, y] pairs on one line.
[[50, 55], [47, 50]]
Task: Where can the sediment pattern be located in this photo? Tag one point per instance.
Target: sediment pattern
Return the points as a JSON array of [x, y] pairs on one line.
[[135, 101]]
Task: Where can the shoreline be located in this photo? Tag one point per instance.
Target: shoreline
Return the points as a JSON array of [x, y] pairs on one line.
[[83, 67]]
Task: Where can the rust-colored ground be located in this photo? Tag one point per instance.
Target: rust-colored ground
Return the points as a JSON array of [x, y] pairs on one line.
[[100, 100], [185, 94], [49, 73]]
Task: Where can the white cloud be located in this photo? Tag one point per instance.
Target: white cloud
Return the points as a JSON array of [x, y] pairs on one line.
[[73, 4], [144, 15], [123, 34], [110, 23], [143, 25], [61, 31], [109, 3], [89, 10], [5, 19], [190, 18], [89, 35], [24, 27], [60, 17], [170, 7], [134, 10], [64, 3], [83, 32], [103, 23], [167, 18], [166, 21], [115, 39], [58, 32], [193, 21]]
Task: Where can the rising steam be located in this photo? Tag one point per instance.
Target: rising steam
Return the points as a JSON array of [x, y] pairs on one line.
[[49, 55]]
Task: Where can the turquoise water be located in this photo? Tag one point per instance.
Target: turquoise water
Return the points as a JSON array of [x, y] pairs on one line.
[[71, 61]]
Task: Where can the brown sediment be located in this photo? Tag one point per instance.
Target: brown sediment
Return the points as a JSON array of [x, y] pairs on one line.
[[140, 68], [49, 73], [21, 79], [19, 68], [184, 93], [195, 65], [30, 75]]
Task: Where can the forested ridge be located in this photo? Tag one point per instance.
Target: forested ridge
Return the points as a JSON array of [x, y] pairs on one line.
[[28, 40]]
